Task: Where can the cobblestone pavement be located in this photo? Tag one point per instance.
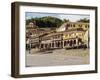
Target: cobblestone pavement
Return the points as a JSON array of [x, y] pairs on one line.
[[57, 57]]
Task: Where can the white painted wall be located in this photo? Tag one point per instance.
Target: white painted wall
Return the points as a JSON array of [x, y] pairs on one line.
[[5, 40]]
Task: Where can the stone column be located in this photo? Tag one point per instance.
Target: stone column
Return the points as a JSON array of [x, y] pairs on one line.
[[54, 44], [51, 44], [77, 42], [43, 46], [63, 44]]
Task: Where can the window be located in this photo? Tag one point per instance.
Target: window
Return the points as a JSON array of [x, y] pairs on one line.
[[80, 25], [74, 41], [85, 26], [88, 26], [46, 45], [64, 43], [68, 25], [73, 25], [42, 45], [52, 44]]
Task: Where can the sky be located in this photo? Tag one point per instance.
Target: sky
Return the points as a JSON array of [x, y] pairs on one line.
[[71, 17]]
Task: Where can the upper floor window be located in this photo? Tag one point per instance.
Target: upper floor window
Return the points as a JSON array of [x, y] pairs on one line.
[[73, 25], [80, 25], [68, 25], [86, 26]]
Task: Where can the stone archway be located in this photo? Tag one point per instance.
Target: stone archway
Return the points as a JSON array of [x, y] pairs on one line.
[[79, 41], [74, 41], [70, 43], [53, 44], [65, 43]]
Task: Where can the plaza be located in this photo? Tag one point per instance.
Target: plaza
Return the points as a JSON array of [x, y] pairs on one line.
[[58, 57]]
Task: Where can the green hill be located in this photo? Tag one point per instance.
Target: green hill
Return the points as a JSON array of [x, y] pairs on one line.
[[45, 22]]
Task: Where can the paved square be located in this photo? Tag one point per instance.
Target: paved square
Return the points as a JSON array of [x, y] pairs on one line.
[[57, 57]]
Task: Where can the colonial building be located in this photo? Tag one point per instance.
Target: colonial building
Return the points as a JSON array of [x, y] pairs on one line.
[[73, 25], [68, 35], [33, 34], [65, 39]]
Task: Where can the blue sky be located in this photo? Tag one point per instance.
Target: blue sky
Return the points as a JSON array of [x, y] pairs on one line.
[[71, 17]]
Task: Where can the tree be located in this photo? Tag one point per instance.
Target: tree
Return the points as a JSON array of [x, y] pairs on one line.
[[84, 20], [47, 21], [65, 20]]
